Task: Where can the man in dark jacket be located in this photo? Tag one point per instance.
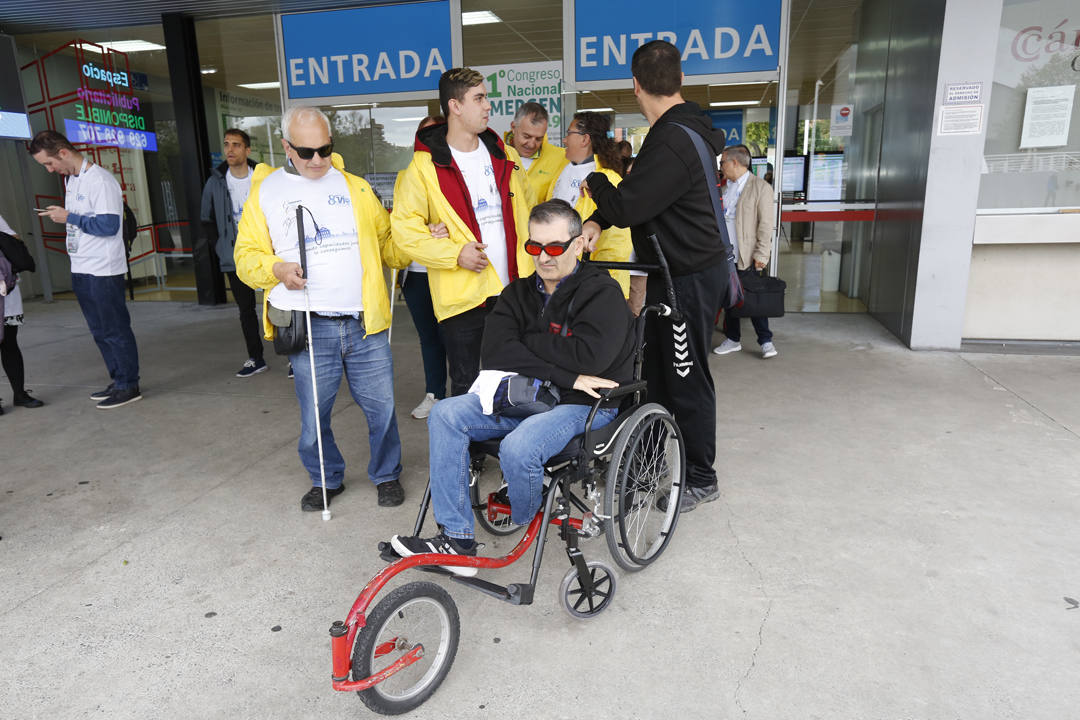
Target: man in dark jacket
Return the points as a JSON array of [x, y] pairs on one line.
[[668, 194], [223, 201], [567, 324]]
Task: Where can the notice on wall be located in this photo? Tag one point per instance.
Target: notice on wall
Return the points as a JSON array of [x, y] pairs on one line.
[[511, 86], [963, 93], [961, 120], [1047, 115], [841, 121]]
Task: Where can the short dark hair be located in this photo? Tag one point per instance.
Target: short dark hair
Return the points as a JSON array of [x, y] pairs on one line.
[[738, 153], [532, 110], [453, 85], [240, 134], [552, 210], [658, 68], [51, 142], [430, 120]]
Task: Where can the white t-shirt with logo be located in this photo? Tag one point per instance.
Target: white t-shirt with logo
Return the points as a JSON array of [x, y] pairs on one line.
[[487, 205], [334, 269], [527, 162], [568, 184], [239, 188], [94, 191], [13, 302]]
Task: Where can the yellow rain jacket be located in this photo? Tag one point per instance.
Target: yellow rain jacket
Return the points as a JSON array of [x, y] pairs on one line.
[[419, 200], [546, 166], [614, 244], [255, 258]]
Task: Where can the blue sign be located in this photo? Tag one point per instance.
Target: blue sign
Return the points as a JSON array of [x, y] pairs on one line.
[[85, 133], [367, 50], [730, 122], [713, 36]]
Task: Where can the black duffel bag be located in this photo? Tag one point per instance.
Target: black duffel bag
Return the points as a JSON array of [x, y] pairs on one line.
[[763, 295]]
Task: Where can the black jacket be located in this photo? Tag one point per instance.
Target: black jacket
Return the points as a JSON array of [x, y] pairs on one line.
[[522, 335], [666, 193]]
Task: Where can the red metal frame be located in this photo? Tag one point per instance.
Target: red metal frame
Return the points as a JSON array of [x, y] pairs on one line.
[[342, 662]]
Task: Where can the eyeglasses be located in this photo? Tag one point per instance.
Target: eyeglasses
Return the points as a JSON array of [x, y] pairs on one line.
[[307, 153], [576, 132], [554, 249]]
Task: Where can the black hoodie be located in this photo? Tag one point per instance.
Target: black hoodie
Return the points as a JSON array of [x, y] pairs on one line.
[[585, 329], [666, 193]]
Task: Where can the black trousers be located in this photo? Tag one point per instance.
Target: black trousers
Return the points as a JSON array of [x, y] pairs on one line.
[[12, 359], [461, 336], [249, 319], [677, 368]]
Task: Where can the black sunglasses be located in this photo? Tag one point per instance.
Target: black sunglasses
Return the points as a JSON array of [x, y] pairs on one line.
[[554, 249], [307, 153]]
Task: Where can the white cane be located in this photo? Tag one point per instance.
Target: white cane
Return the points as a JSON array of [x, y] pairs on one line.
[[311, 359], [393, 292]]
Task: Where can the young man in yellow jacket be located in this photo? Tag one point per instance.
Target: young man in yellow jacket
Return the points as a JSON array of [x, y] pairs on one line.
[[464, 177], [541, 159], [347, 239]]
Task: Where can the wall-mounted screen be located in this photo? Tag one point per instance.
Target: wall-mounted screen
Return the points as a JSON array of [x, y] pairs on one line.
[[794, 174], [13, 120]]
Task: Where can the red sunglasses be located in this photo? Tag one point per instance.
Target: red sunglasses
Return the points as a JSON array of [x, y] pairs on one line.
[[554, 249]]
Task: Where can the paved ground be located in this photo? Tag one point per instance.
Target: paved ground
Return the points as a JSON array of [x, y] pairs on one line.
[[896, 538]]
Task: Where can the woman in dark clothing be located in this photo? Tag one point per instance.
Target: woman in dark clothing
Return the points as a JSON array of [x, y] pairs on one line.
[[10, 356]]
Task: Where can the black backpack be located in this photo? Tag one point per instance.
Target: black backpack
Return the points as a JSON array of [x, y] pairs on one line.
[[131, 229], [17, 253]]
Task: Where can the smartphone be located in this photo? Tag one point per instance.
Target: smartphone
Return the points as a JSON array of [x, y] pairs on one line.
[[41, 209]]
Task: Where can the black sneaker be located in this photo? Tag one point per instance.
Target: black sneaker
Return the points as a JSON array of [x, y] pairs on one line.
[[120, 397], [312, 500], [252, 367], [103, 394], [26, 400], [692, 497], [441, 544], [290, 371], [391, 494]]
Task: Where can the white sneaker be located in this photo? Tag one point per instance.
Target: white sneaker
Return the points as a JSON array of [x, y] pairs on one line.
[[422, 410], [728, 346], [768, 350]]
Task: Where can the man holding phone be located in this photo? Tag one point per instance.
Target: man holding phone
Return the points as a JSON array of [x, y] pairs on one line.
[[92, 213]]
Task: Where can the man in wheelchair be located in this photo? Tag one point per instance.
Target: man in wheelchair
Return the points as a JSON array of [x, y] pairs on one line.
[[568, 325]]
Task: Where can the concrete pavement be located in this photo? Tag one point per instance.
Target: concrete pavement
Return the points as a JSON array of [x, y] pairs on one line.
[[896, 537]]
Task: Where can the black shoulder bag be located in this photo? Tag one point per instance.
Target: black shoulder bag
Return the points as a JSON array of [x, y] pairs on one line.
[[290, 330]]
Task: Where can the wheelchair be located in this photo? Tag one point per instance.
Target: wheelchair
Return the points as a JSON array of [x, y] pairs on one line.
[[623, 481]]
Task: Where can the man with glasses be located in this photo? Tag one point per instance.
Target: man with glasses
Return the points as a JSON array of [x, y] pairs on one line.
[[464, 177], [569, 325], [346, 234]]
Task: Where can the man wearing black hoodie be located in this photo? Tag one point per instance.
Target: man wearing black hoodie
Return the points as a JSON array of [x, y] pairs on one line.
[[222, 204], [668, 194], [567, 324]]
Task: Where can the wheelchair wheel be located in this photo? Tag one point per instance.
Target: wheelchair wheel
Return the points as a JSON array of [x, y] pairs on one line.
[[647, 463], [483, 481], [417, 613], [586, 604]]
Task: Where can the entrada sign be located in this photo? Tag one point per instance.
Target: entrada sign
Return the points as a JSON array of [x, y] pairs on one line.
[[367, 50]]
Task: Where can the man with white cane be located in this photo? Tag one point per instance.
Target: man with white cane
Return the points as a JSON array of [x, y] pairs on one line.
[[337, 298]]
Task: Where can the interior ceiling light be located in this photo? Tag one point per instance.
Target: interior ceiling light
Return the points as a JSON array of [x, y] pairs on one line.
[[418, 118], [479, 17], [755, 82], [261, 86], [733, 103], [208, 71], [354, 105], [596, 109], [127, 46]]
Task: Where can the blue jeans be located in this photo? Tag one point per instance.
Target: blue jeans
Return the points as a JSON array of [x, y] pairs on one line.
[[103, 304], [527, 444], [418, 299], [340, 346]]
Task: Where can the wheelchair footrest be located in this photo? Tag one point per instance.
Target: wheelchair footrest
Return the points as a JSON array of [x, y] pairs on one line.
[[388, 553]]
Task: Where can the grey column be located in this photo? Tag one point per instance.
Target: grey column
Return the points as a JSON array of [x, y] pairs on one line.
[[968, 48]]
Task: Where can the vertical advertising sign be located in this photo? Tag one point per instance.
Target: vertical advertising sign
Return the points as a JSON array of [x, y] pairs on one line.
[[714, 37], [372, 52], [512, 85]]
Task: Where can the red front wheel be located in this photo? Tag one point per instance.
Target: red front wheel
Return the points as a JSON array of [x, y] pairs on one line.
[[420, 613]]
